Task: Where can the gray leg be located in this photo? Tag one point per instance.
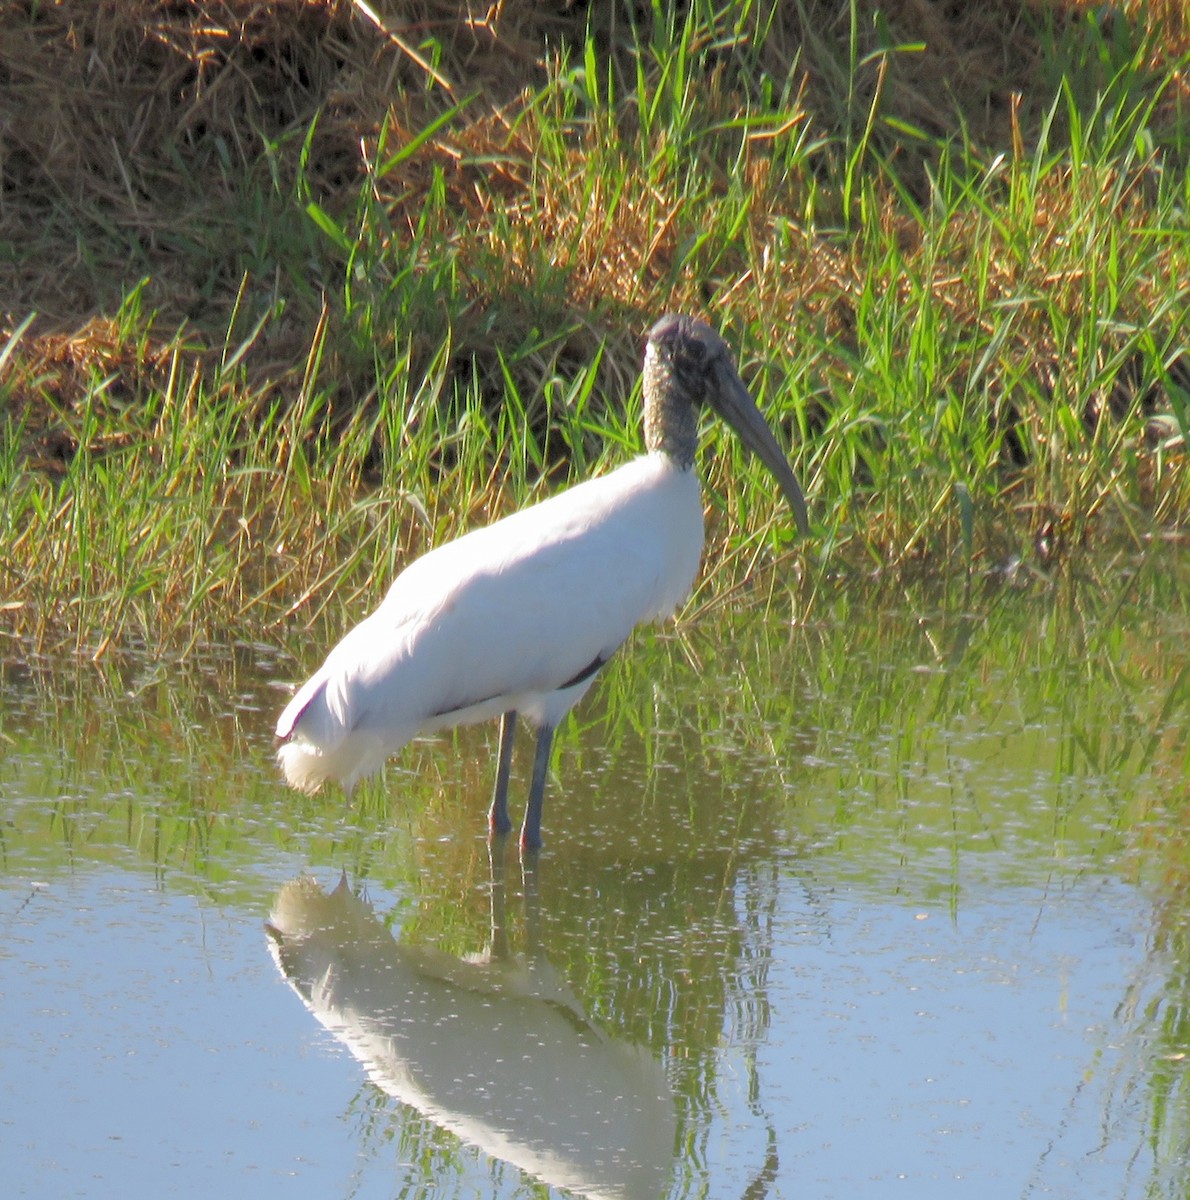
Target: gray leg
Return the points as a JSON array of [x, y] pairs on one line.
[[498, 926], [498, 820], [531, 829]]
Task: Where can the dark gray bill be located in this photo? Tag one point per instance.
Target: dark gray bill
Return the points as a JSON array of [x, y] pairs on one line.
[[730, 399]]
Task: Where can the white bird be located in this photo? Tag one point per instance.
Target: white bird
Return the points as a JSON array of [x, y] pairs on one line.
[[519, 617], [496, 1049]]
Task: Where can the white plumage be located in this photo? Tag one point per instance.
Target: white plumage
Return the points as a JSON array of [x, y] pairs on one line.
[[498, 619], [519, 616], [496, 1049]]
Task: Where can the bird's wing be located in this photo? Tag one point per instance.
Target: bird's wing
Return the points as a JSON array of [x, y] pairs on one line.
[[520, 607], [531, 602], [331, 702], [305, 695]]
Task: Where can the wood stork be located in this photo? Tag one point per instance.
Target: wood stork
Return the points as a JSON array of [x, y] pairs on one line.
[[519, 617], [496, 1049]]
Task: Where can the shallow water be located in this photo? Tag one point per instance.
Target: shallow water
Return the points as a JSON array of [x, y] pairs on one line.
[[891, 899]]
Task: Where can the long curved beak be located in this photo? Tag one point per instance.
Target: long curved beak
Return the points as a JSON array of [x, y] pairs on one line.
[[731, 400]]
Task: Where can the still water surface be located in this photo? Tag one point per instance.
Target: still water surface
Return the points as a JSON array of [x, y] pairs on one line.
[[888, 901]]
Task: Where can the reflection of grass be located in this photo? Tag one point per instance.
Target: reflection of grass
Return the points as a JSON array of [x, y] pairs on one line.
[[720, 733], [903, 735], [908, 739], [963, 327], [1154, 1017], [1168, 1084]]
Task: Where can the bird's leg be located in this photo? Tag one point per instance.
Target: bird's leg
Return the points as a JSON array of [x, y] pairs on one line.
[[497, 924], [498, 819], [531, 829]]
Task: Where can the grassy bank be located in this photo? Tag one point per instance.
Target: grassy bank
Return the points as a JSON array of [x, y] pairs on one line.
[[291, 297]]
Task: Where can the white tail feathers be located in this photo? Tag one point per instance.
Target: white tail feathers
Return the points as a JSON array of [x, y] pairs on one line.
[[304, 768], [307, 768]]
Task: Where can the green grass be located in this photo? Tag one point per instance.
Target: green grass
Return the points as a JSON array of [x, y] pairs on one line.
[[912, 739], [961, 340]]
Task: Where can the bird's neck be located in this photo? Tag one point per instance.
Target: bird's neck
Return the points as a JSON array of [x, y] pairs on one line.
[[671, 421]]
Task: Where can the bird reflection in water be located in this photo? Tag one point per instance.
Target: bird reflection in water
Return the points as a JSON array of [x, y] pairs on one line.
[[494, 1048]]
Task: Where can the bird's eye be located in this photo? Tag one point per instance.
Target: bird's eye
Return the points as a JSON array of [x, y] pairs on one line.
[[692, 356]]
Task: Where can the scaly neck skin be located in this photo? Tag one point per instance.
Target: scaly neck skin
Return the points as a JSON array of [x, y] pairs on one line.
[[671, 414]]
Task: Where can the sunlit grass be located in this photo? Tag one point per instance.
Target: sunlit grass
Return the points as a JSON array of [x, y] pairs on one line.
[[962, 344]]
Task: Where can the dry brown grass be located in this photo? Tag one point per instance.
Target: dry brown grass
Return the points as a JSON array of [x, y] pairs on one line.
[[114, 109], [129, 129], [111, 107], [175, 152]]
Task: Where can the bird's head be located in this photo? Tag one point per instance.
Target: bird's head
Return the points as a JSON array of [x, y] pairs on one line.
[[681, 355], [687, 365]]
